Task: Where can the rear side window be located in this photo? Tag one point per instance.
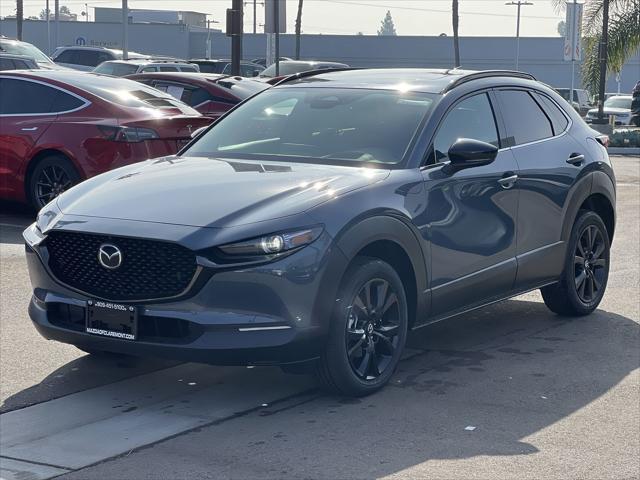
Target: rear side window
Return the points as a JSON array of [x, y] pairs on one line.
[[88, 58], [168, 69], [471, 118], [68, 56], [216, 67], [7, 64], [186, 68], [20, 97], [558, 119], [525, 120]]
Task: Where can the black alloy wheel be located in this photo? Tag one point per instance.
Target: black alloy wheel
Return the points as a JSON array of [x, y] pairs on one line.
[[583, 281], [52, 176], [368, 329], [590, 264], [372, 329]]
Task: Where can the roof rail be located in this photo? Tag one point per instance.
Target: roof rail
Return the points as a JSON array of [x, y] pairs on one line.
[[311, 73], [487, 74]]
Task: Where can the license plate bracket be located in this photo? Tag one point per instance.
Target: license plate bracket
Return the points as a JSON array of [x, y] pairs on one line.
[[113, 320]]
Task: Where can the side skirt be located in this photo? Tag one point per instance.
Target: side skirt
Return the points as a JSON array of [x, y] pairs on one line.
[[511, 294]]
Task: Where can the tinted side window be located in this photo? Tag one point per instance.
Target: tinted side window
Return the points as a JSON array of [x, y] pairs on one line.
[[471, 118], [87, 57], [68, 56], [64, 102], [553, 111], [168, 69], [7, 64], [22, 97], [525, 120]]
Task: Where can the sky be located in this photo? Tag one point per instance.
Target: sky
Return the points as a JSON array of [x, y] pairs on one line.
[[411, 17]]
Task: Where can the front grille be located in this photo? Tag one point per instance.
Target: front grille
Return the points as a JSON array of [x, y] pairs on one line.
[[150, 269]]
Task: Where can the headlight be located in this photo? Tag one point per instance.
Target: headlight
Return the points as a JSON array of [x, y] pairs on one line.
[[272, 244]]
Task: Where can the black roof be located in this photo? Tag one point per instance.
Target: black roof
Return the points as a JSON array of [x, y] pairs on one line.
[[415, 79]]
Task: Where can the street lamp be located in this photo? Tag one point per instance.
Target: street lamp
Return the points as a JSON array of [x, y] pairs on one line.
[[519, 4]]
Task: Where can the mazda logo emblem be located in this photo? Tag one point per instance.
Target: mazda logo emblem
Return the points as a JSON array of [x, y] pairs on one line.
[[109, 256]]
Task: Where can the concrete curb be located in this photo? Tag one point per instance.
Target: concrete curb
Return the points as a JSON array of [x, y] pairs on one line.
[[624, 150]]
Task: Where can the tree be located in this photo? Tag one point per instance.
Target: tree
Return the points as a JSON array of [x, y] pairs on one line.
[[562, 28], [298, 28], [19, 17], [455, 18], [623, 32], [64, 10], [387, 28]]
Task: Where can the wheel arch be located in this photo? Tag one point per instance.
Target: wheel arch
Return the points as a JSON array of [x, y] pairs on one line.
[[595, 192], [394, 242]]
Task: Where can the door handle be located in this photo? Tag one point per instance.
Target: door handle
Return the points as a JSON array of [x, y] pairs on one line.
[[575, 159], [508, 182], [30, 129]]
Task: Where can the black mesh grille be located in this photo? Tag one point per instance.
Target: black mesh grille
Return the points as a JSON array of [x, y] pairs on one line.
[[149, 269]]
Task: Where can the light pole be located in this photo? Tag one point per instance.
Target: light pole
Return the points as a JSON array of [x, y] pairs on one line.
[[125, 30], [519, 4]]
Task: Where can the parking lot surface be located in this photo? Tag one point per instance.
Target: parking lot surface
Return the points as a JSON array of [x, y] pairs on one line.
[[508, 391]]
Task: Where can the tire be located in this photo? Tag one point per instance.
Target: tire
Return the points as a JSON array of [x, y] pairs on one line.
[[362, 361], [51, 176], [582, 283]]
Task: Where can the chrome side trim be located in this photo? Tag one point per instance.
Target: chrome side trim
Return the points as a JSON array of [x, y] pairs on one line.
[[257, 329]]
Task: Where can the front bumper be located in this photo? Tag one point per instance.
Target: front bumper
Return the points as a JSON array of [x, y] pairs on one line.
[[274, 313]]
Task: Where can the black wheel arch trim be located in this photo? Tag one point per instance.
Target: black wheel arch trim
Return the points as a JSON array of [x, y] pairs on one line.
[[392, 227], [595, 182]]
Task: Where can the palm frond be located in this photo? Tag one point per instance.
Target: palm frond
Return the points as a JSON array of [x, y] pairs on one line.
[[624, 41]]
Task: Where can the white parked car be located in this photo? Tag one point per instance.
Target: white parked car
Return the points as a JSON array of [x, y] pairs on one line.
[[88, 58], [121, 68], [618, 106]]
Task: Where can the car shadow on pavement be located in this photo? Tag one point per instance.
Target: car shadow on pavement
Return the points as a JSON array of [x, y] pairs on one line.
[[487, 383]]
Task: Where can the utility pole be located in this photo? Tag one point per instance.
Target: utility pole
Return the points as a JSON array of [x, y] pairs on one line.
[[276, 24], [234, 30], [56, 19], [48, 12], [255, 20], [86, 11], [604, 45], [125, 30], [519, 4], [19, 18]]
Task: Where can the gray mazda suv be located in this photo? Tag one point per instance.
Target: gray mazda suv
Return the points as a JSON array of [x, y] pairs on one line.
[[317, 223]]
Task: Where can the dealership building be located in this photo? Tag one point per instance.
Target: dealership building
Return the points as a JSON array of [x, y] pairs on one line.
[[183, 35]]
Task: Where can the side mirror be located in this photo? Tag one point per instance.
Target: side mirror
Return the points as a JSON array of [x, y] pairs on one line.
[[255, 73], [466, 152], [197, 132]]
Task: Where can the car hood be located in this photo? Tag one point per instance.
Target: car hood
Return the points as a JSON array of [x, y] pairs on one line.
[[209, 192]]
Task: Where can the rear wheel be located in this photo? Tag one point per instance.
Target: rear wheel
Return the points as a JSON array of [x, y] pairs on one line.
[[586, 270], [368, 330], [51, 176]]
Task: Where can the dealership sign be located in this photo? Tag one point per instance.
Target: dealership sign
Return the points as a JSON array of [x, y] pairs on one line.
[[573, 32]]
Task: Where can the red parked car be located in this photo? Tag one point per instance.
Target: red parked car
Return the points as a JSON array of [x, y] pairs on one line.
[[210, 94], [58, 128]]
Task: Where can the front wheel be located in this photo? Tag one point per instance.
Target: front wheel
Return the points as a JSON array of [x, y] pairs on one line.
[[368, 330], [586, 270]]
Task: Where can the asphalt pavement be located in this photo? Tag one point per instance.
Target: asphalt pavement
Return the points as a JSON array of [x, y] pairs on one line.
[[508, 391]]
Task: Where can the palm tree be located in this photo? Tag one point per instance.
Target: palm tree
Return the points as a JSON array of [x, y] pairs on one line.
[[298, 28], [19, 17], [623, 42], [456, 41]]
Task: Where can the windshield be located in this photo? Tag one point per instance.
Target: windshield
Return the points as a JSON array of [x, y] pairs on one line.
[[25, 49], [618, 102], [116, 69], [319, 125]]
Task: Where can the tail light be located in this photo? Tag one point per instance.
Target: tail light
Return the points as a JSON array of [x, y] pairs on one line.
[[603, 140], [127, 134]]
